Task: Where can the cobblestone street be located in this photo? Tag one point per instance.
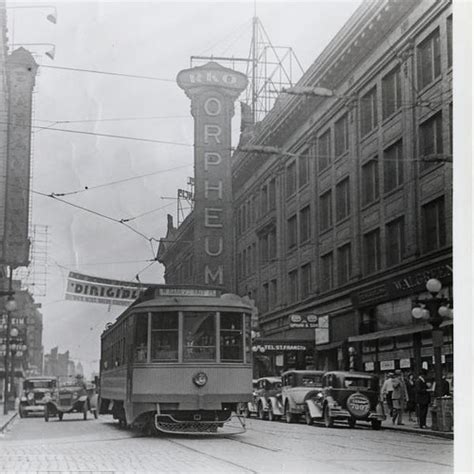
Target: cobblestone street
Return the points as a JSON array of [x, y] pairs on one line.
[[31, 445]]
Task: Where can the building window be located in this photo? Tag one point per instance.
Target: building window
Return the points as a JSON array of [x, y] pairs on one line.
[[291, 179], [449, 36], [273, 293], [305, 224], [325, 211], [265, 297], [272, 194], [263, 200], [372, 251], [393, 166], [451, 128], [370, 181], [395, 240], [341, 136], [303, 174], [306, 281], [434, 225], [344, 264], [293, 285], [429, 60], [431, 140], [272, 248], [327, 272], [292, 232], [343, 199], [368, 111], [324, 150], [391, 93], [263, 244]]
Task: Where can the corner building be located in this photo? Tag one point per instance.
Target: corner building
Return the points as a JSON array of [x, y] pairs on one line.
[[343, 229]]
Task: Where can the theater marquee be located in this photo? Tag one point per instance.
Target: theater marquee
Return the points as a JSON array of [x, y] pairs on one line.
[[212, 90]]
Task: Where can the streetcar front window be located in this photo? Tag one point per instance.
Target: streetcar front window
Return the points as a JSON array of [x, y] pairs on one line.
[[141, 337], [232, 346], [164, 336], [199, 335]]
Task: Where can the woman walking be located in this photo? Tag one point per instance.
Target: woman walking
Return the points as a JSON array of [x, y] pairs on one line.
[[411, 404]]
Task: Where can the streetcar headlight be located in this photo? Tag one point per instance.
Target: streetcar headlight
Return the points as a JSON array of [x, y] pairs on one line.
[[200, 379], [31, 395]]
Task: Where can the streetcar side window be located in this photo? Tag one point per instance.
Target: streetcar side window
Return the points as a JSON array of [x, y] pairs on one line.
[[164, 336], [141, 337], [232, 344], [199, 335]]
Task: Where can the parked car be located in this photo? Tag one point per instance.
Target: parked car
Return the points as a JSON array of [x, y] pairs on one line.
[[68, 398], [249, 408], [350, 396], [268, 398], [36, 391], [297, 387]]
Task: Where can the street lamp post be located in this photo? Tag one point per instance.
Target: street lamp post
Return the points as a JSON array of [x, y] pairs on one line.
[[10, 306], [434, 310]]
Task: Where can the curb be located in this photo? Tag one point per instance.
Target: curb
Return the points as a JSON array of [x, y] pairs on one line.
[[438, 434], [5, 425]]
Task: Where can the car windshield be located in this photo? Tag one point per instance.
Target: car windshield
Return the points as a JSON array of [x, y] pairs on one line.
[[358, 382], [30, 385], [312, 380]]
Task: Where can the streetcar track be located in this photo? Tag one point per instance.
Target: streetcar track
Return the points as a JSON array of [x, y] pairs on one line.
[[252, 444]]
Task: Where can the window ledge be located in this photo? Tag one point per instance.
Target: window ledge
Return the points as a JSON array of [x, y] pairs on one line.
[[367, 205], [429, 170], [392, 192], [369, 134], [432, 84], [326, 230], [391, 117], [344, 219]]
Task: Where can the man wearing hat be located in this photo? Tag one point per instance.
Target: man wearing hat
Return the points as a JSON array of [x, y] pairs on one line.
[[399, 397], [387, 390], [422, 397]]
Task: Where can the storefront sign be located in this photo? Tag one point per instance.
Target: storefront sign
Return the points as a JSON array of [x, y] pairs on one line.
[[321, 333], [186, 292], [405, 363], [369, 366], [387, 365], [279, 347], [443, 359], [407, 284], [212, 90], [303, 321]]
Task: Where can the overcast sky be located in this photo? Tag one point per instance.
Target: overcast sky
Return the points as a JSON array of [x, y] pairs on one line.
[[149, 39]]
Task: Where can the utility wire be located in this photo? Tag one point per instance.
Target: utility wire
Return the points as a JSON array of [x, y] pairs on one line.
[[118, 119]]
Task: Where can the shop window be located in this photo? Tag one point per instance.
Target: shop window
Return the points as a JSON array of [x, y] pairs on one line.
[[391, 93], [372, 251], [341, 135], [324, 150], [343, 199], [431, 141], [395, 240], [370, 181], [369, 346], [232, 346], [403, 342], [434, 225], [368, 111], [325, 211], [386, 344], [141, 337], [327, 272], [393, 167], [164, 336], [199, 336], [291, 179], [429, 60], [305, 224]]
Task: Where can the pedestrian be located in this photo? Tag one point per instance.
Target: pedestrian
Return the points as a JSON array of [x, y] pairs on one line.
[[422, 397], [387, 390], [399, 397], [411, 404], [445, 390]]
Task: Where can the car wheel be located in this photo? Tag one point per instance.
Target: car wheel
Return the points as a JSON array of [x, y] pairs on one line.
[[261, 412], [60, 415], [271, 416], [46, 413], [84, 410], [289, 417], [21, 413], [376, 424], [351, 422], [328, 421], [307, 417], [246, 412]]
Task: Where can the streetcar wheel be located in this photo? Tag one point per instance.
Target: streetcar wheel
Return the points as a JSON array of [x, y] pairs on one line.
[[351, 422], [60, 415], [84, 410], [328, 421], [307, 417], [376, 424], [46, 413], [261, 412]]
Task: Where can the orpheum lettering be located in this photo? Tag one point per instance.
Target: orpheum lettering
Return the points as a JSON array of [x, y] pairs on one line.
[[213, 90]]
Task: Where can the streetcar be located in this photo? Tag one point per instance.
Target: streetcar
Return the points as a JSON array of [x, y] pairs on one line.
[[178, 360]]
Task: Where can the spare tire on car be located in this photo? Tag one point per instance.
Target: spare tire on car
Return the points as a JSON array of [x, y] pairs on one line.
[[358, 405]]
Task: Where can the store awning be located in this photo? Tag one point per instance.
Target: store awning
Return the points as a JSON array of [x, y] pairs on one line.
[[401, 331], [331, 345], [298, 334]]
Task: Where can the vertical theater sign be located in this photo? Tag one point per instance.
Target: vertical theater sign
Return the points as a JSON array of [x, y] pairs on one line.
[[213, 90]]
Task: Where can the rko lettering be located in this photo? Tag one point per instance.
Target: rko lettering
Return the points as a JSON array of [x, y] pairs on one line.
[[212, 90]]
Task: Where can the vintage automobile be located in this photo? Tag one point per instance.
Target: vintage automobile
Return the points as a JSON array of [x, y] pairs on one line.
[[68, 398], [297, 387], [249, 408], [350, 396], [36, 390], [267, 399]]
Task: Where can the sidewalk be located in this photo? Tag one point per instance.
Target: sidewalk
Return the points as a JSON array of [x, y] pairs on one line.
[[5, 420], [413, 427]]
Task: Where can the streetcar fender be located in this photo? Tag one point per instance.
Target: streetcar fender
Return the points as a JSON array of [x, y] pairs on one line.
[[314, 409], [276, 406]]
